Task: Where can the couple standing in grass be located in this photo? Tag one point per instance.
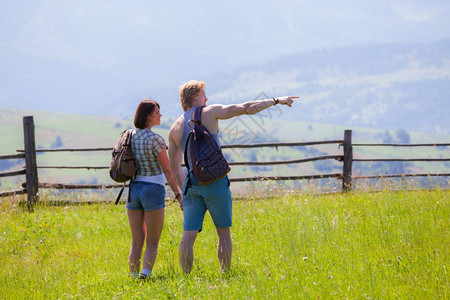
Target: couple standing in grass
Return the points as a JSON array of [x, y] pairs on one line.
[[145, 206]]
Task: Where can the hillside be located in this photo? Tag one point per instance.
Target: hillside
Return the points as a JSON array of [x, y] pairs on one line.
[[63, 130], [379, 86], [379, 64], [382, 86]]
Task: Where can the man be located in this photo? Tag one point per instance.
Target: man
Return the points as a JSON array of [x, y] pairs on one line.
[[214, 197]]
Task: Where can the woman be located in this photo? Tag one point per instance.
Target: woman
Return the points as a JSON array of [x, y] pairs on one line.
[[145, 207]]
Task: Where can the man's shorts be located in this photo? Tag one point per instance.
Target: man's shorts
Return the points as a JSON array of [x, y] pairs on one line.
[[146, 196], [214, 197]]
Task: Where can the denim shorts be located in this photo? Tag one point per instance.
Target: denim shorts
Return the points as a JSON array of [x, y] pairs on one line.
[[214, 197], [146, 196]]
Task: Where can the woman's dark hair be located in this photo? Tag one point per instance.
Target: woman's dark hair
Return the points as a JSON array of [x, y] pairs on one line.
[[144, 109]]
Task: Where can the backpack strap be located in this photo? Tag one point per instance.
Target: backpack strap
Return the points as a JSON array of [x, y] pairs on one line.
[[197, 119], [128, 137], [120, 194], [128, 142], [198, 115], [128, 134], [186, 162]]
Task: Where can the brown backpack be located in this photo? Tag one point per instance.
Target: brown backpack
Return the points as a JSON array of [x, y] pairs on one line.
[[122, 167]]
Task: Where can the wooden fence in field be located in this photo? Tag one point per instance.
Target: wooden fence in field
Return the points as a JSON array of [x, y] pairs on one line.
[[32, 185]]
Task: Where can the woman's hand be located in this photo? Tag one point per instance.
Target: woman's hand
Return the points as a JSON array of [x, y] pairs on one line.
[[179, 198]]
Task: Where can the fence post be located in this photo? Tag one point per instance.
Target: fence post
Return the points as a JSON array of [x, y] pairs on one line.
[[32, 183], [348, 158]]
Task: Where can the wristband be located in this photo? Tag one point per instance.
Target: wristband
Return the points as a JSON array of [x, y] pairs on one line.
[[276, 101]]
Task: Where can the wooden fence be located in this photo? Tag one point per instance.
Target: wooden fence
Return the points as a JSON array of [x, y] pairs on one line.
[[32, 184]]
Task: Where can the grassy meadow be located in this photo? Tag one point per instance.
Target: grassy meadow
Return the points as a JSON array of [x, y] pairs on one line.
[[379, 245]]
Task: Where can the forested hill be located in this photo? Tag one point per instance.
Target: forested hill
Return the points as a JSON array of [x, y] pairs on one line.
[[385, 86]]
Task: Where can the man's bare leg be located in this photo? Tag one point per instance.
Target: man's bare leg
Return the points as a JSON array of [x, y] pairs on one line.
[[224, 248], [187, 250]]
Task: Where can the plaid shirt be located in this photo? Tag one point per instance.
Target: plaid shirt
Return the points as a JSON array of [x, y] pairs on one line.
[[146, 145]]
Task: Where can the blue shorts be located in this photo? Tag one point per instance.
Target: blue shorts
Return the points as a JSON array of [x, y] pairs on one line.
[[146, 196], [214, 197]]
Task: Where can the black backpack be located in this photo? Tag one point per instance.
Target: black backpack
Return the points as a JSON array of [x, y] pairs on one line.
[[122, 167], [206, 157]]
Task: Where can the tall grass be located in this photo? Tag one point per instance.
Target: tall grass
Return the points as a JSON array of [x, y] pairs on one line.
[[392, 245]]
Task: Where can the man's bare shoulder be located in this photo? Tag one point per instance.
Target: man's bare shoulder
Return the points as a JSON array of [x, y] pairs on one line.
[[221, 111], [176, 128], [213, 107], [214, 110]]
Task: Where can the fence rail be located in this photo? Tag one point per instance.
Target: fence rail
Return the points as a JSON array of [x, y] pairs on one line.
[[403, 145], [32, 185], [400, 159], [71, 149], [261, 145], [232, 163], [401, 175]]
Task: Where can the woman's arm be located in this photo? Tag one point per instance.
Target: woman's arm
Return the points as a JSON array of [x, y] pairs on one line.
[[164, 162]]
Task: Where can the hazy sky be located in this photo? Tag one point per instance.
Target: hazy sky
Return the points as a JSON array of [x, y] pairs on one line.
[[58, 52]]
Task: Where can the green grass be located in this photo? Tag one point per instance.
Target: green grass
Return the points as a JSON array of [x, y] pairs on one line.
[[388, 245]]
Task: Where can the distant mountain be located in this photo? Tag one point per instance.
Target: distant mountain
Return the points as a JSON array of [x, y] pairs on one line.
[[383, 86], [102, 57]]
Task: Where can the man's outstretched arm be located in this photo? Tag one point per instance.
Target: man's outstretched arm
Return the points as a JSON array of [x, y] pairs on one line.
[[224, 112]]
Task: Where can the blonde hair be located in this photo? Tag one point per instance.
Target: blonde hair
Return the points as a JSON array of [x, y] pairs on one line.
[[188, 91]]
